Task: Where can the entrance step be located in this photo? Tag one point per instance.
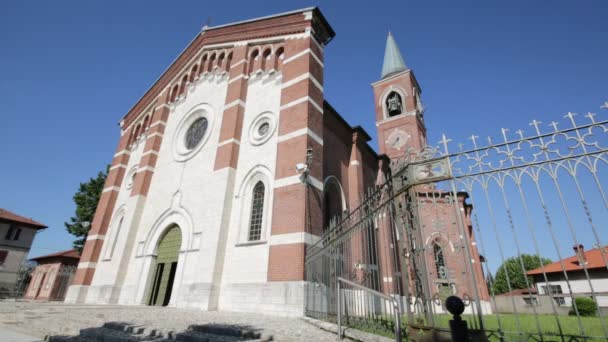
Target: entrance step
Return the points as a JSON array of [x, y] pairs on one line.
[[125, 332], [221, 333]]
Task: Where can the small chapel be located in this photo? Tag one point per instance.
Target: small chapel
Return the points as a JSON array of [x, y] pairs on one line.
[[232, 163]]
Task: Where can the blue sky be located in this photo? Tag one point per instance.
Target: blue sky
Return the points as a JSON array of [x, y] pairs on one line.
[[69, 70]]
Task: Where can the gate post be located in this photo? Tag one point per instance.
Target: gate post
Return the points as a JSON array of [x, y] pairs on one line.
[[458, 327]]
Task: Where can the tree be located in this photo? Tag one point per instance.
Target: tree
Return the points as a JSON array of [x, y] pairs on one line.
[[86, 199], [513, 268]]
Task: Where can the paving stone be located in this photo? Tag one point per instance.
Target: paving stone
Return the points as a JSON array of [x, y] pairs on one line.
[[166, 323]]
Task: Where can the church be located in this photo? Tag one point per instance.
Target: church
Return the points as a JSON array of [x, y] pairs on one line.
[[232, 163]]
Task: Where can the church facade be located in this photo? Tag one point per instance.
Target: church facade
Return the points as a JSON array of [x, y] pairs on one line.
[[231, 164]]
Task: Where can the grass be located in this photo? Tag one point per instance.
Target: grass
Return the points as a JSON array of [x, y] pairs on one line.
[[529, 324], [515, 327]]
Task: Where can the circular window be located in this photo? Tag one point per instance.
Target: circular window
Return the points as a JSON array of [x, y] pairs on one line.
[[262, 128], [196, 132], [192, 132]]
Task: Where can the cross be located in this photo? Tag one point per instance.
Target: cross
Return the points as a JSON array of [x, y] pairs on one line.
[[605, 105], [520, 133], [554, 125], [591, 116], [444, 140], [571, 116], [535, 124], [473, 138], [504, 133]]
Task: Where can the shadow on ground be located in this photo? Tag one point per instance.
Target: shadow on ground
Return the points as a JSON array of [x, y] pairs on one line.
[[128, 332]]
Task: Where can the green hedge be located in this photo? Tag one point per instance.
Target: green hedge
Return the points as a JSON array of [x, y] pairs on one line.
[[586, 307]]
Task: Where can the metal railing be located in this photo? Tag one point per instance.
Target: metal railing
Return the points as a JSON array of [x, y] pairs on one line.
[[357, 304]]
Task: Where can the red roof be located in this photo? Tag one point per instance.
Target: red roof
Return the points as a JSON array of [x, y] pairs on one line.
[[594, 260], [72, 254], [12, 217]]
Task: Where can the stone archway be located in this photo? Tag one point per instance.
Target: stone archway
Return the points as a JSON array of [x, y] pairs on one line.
[[165, 267]]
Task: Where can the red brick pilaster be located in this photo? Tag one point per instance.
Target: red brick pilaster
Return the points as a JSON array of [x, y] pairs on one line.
[[358, 264], [234, 110], [301, 111], [103, 214]]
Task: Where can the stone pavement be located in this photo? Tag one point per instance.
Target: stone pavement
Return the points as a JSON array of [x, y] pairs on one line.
[[7, 335], [42, 319]]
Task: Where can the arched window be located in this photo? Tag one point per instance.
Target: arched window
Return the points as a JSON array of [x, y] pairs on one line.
[[193, 73], [204, 63], [333, 205], [439, 261], [394, 104], [278, 59], [252, 59], [266, 60], [228, 62], [257, 212], [211, 64], [113, 239], [184, 84], [220, 60], [174, 93], [145, 126], [137, 131]]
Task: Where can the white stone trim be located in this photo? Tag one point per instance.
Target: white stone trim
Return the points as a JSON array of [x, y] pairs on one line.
[[111, 188], [355, 163], [87, 264], [236, 78], [95, 237], [300, 100], [154, 152], [118, 154], [118, 166], [301, 78], [300, 132], [315, 182], [228, 141], [392, 118], [234, 103], [314, 40], [164, 105], [145, 168], [297, 179], [238, 63], [159, 122], [291, 238], [302, 53], [155, 134]]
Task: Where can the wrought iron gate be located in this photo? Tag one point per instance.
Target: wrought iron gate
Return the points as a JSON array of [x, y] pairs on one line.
[[502, 224]]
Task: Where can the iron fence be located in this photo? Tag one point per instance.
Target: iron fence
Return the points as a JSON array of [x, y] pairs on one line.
[[502, 224]]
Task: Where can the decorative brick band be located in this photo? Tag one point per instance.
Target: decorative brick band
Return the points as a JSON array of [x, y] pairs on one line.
[[300, 132]]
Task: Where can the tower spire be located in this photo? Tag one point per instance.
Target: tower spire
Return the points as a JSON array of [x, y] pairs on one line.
[[393, 61]]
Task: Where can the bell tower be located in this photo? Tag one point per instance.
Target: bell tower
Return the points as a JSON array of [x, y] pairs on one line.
[[398, 106]]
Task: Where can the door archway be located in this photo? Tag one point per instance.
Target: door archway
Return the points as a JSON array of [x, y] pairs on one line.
[[165, 266]]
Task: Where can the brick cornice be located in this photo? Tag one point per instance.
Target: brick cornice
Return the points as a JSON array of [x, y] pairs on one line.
[[294, 23]]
